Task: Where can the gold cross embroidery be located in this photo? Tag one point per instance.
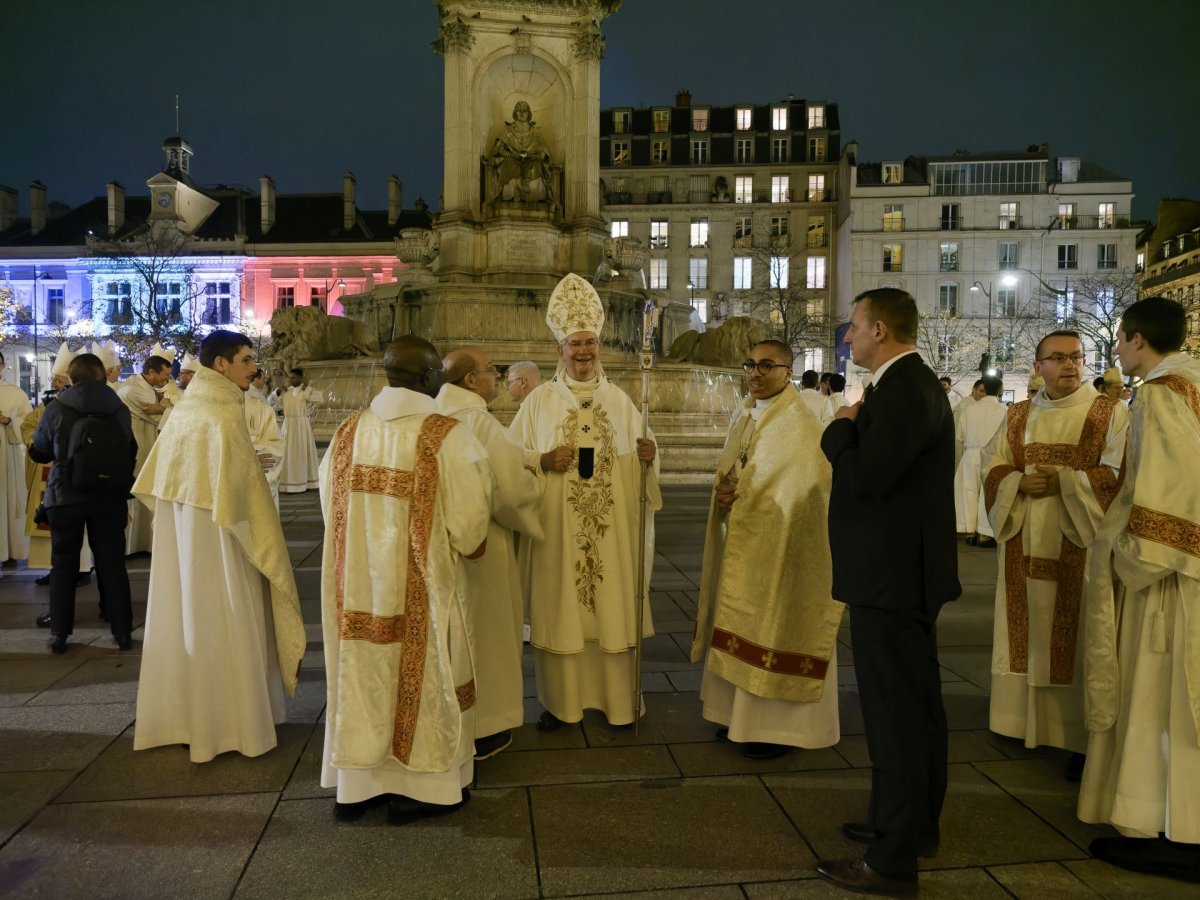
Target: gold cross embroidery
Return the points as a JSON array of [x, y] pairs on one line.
[[732, 645], [769, 659], [806, 666]]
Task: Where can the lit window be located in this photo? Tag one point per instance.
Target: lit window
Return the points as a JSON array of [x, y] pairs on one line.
[[893, 173], [1006, 302], [816, 272], [1066, 215], [779, 189], [700, 304], [816, 149], [743, 150], [1068, 256], [698, 235], [660, 152], [659, 239], [1106, 215], [700, 151], [1064, 304], [948, 299], [779, 149], [1008, 255], [816, 188], [742, 269], [779, 273], [893, 257], [621, 120], [948, 257], [698, 272], [743, 189], [662, 121], [285, 297], [779, 118], [620, 153], [700, 119], [1106, 256], [816, 116], [217, 305], [744, 116], [741, 229], [1105, 301], [893, 217], [698, 191], [1141, 260], [1009, 216], [658, 273], [620, 228], [816, 231]]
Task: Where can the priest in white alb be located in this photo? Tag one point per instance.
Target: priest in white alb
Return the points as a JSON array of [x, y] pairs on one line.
[[1050, 474], [583, 574], [766, 617], [493, 582], [1143, 650], [14, 407], [224, 635], [406, 494], [300, 464], [268, 442], [145, 396], [975, 424]]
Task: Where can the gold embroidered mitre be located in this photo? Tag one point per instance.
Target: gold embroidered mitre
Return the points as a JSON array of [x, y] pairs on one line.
[[574, 306]]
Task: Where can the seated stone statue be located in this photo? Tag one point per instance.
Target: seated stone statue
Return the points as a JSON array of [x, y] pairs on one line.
[[520, 159]]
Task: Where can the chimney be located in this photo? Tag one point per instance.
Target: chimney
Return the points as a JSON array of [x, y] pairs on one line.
[[395, 198], [116, 208], [349, 213], [683, 99], [266, 191], [8, 207], [37, 207]]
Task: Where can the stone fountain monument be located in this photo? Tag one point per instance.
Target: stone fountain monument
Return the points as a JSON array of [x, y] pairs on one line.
[[520, 209]]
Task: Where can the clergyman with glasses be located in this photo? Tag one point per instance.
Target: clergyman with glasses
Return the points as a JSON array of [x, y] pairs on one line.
[[521, 378], [767, 619], [1049, 475]]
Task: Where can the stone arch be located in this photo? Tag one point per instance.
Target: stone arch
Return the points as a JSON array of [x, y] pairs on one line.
[[508, 77]]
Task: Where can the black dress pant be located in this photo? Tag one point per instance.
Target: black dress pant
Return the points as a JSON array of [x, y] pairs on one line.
[[900, 687], [104, 518]]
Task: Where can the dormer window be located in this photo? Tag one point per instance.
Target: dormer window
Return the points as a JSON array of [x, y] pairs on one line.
[[621, 121], [779, 118], [700, 118], [893, 173], [744, 117]]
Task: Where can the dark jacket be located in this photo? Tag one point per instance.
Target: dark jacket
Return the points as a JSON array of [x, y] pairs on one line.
[[86, 398], [891, 511]]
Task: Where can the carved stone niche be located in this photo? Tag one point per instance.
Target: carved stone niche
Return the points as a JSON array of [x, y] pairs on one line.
[[417, 247]]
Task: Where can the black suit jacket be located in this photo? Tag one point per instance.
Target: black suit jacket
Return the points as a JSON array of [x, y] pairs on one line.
[[891, 512]]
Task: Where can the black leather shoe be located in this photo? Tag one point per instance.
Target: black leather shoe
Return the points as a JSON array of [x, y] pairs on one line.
[[1151, 856], [404, 810], [987, 543], [42, 580], [856, 875], [1074, 769], [123, 641], [761, 750], [487, 747], [352, 812], [42, 621], [548, 721], [59, 644], [722, 734], [973, 540], [864, 834]]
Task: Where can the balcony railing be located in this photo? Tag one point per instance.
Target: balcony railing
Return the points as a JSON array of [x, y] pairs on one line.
[[817, 240], [1008, 223], [893, 223], [1067, 223]]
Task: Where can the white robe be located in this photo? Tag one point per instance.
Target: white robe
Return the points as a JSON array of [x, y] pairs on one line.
[[833, 403], [210, 673], [300, 467], [1143, 764], [405, 496], [15, 405], [1037, 656], [135, 392], [265, 436], [493, 582], [583, 574], [816, 402], [974, 427]]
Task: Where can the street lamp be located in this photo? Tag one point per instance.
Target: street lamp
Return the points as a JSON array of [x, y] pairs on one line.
[[340, 283], [985, 364]]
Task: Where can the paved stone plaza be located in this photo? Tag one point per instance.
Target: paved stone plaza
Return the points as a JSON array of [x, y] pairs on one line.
[[671, 812]]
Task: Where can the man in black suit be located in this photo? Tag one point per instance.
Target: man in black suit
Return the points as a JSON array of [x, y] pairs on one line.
[[891, 532]]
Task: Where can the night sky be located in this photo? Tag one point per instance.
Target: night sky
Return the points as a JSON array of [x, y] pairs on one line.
[[305, 90]]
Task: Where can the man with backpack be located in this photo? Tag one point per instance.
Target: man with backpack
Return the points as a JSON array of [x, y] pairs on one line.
[[88, 435]]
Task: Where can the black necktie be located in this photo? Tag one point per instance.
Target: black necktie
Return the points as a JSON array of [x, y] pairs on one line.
[[870, 389]]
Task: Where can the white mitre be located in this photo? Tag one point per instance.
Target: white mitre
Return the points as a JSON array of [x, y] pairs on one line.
[[163, 352], [574, 306], [189, 364], [62, 360], [108, 354]]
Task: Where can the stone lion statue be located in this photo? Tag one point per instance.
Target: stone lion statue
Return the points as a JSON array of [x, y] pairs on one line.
[[302, 333], [725, 346]]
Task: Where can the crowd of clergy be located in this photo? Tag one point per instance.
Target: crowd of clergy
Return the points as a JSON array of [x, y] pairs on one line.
[[452, 540]]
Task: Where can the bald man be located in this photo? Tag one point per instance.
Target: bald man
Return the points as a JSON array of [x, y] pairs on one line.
[[493, 582]]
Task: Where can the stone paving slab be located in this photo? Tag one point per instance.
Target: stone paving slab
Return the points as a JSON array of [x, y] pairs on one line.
[[1117, 884], [541, 767], [669, 719], [121, 774], [23, 679], [949, 885], [483, 850], [527, 737], [58, 737], [964, 746], [193, 847], [629, 836], [1041, 880], [725, 758], [22, 794], [111, 678], [723, 892]]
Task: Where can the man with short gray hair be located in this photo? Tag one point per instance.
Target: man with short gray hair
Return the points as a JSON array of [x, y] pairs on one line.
[[521, 378]]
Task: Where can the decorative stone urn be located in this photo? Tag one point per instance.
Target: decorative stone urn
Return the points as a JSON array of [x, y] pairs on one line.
[[417, 247], [625, 254]]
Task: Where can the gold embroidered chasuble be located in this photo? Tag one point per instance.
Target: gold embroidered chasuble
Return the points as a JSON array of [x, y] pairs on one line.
[[405, 493], [767, 617], [1151, 537], [583, 573], [220, 473], [1040, 587]]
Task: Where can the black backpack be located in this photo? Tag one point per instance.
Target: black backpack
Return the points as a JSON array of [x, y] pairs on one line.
[[97, 454]]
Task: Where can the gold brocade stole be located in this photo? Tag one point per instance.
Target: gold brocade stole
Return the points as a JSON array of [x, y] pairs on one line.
[[1067, 570], [410, 629]]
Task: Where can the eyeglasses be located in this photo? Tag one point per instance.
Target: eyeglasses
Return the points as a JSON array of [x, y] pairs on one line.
[[1059, 358], [765, 366], [487, 370], [512, 381]]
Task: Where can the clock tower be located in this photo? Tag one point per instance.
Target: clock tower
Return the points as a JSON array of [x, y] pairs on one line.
[[174, 198]]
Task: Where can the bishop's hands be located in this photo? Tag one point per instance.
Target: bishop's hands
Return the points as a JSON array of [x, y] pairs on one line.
[[646, 450], [1042, 483], [154, 409], [727, 491], [558, 459]]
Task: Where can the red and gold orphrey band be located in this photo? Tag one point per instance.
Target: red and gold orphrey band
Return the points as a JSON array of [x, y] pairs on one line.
[[410, 630], [1171, 531], [779, 662], [1068, 570]]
